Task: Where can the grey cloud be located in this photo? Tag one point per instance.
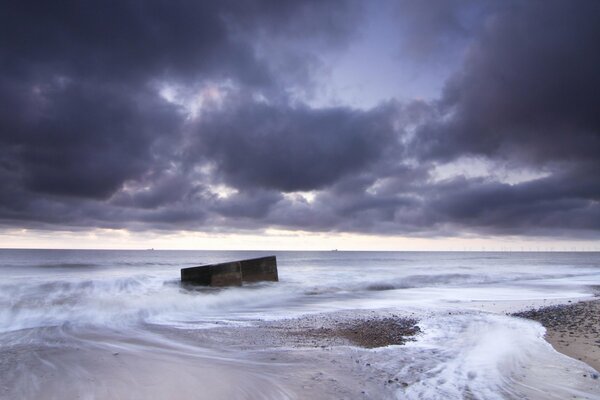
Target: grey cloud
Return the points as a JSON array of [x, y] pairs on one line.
[[79, 111], [551, 203], [87, 141], [132, 41], [528, 89], [292, 147], [253, 204]]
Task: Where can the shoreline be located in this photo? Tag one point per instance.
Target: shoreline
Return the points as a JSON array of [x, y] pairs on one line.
[[572, 329], [319, 356]]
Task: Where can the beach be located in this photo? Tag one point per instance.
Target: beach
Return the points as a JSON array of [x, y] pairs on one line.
[[105, 325], [300, 200], [572, 329]]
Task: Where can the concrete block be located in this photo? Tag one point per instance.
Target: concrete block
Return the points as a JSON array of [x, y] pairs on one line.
[[259, 269], [224, 274], [199, 275], [232, 273]]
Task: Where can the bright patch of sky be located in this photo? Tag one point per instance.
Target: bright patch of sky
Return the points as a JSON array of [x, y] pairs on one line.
[[477, 167], [193, 100], [375, 67], [222, 191], [307, 197], [277, 239]]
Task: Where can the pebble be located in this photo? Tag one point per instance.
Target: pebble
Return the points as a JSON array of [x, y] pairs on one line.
[[371, 332]]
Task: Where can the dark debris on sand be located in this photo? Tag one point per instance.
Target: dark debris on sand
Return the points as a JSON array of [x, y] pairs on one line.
[[370, 332], [573, 329], [582, 317]]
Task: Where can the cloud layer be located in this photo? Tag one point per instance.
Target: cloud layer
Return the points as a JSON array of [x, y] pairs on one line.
[[185, 115]]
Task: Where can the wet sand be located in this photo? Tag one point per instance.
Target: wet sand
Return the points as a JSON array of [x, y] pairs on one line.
[[573, 329], [319, 356], [363, 329]]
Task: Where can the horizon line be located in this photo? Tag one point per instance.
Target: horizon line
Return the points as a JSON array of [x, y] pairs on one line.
[[309, 250]]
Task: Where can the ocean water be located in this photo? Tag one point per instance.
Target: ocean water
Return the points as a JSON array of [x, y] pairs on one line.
[[117, 324]]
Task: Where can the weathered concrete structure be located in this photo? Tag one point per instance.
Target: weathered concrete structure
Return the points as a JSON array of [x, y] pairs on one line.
[[232, 273], [225, 274], [259, 269]]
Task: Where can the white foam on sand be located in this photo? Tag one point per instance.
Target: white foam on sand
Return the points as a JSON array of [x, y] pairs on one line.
[[492, 356], [113, 367]]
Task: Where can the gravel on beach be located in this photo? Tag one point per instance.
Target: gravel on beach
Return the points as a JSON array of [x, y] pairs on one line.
[[573, 329], [370, 332]]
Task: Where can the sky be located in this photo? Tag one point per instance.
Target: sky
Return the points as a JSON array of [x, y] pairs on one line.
[[358, 125]]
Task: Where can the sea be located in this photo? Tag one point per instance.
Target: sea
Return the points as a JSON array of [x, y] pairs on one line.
[[104, 324]]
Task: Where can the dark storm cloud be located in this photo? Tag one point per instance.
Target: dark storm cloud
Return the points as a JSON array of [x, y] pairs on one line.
[[529, 88], [292, 147], [527, 96], [253, 204], [134, 41], [88, 137], [79, 111], [556, 203]]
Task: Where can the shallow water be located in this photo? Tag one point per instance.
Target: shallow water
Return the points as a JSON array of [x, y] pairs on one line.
[[64, 315]]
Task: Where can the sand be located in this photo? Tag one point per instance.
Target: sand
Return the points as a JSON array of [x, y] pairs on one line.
[[317, 356], [360, 328], [573, 329]]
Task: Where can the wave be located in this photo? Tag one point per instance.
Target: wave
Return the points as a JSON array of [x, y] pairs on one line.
[[488, 356], [125, 301], [414, 281], [455, 279], [67, 265]]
